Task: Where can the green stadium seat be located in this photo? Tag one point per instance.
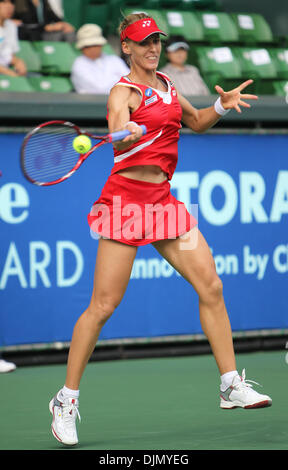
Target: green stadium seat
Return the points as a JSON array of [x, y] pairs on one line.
[[170, 4], [280, 57], [218, 27], [218, 65], [256, 62], [136, 4], [252, 28], [212, 5], [115, 17], [108, 49], [118, 11], [14, 84], [97, 14], [274, 87], [74, 11], [48, 84], [152, 4], [185, 23], [56, 57], [30, 56], [156, 14], [280, 88], [190, 5]]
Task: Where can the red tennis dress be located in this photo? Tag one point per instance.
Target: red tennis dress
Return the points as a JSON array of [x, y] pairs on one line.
[[137, 212]]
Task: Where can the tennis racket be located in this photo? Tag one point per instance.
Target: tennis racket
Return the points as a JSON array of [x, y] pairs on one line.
[[48, 156]]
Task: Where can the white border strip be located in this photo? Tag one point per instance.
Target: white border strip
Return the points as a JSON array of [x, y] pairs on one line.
[[136, 149]]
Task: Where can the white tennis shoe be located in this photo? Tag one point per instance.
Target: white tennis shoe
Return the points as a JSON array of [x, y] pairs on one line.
[[6, 366], [64, 412], [241, 394]]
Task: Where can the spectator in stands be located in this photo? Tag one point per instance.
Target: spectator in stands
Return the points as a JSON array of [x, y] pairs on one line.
[[93, 71], [10, 64], [38, 21], [57, 7], [186, 78]]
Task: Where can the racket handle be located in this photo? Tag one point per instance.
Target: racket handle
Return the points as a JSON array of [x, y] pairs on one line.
[[115, 136]]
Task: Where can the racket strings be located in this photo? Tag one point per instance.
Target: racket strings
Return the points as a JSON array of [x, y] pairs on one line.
[[49, 154]]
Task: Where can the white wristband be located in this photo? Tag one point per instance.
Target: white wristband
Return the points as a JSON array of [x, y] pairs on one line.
[[219, 108]]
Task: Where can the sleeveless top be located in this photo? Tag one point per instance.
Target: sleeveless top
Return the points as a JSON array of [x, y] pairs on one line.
[[161, 113]]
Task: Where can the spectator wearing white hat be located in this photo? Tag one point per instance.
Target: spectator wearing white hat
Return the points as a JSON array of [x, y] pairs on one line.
[[185, 77], [93, 71]]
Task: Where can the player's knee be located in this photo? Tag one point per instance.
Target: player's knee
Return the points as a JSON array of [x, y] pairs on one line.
[[213, 291], [102, 309], [216, 287]]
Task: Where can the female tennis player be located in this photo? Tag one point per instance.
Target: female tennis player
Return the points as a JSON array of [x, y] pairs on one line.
[[144, 164]]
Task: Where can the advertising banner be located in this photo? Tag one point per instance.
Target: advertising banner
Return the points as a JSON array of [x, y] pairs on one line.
[[47, 253]]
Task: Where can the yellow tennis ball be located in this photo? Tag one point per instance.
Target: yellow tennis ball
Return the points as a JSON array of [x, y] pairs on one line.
[[82, 144]]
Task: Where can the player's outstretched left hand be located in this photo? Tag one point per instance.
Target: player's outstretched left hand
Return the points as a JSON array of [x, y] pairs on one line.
[[234, 99]]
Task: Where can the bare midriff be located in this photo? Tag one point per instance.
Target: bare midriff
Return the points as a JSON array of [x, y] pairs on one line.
[[148, 173]]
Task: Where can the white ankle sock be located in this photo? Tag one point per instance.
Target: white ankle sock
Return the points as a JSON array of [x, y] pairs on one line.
[[69, 393], [227, 379]]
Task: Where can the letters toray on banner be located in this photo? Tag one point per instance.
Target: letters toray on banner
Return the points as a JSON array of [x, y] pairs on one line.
[[246, 194]]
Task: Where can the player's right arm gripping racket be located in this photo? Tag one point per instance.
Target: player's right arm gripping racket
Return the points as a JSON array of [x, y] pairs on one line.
[[47, 153]]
